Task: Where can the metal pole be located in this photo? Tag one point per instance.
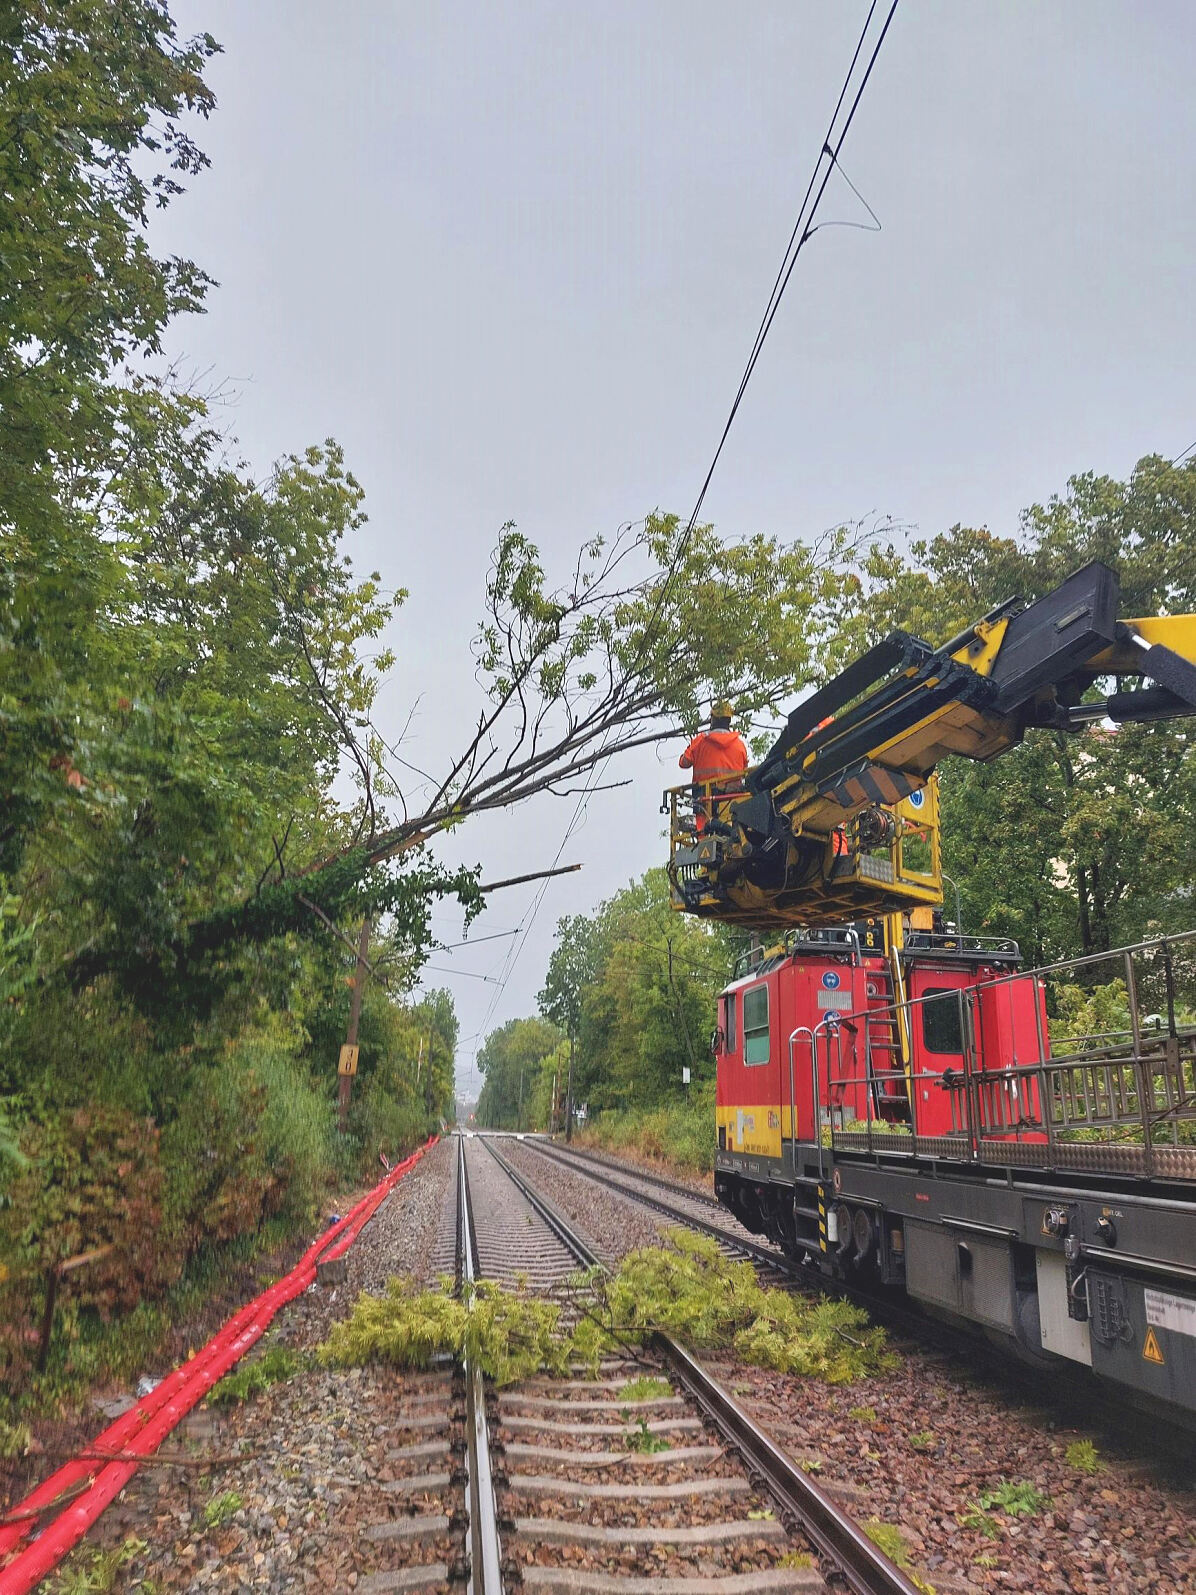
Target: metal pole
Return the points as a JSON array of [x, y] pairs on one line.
[[569, 1093], [689, 1046], [1142, 1068], [958, 904], [348, 1059]]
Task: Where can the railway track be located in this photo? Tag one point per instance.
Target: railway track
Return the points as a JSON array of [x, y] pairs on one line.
[[683, 1206], [577, 1485], [1070, 1394]]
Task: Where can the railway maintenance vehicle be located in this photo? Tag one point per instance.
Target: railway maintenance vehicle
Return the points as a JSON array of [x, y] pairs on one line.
[[901, 1104]]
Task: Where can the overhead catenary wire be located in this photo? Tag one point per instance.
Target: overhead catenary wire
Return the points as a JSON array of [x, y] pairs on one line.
[[470, 974], [803, 229], [802, 232]]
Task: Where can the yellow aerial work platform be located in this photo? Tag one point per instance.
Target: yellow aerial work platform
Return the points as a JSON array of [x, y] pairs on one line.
[[840, 820]]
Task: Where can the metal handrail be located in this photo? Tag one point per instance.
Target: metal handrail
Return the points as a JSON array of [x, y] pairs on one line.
[[951, 941], [833, 937]]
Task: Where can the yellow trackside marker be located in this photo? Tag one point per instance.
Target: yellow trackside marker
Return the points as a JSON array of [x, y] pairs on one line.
[[348, 1060], [1151, 1349]]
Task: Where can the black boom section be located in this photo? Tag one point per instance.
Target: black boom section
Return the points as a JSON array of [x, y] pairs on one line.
[[1056, 634], [1040, 672], [898, 651], [1173, 674], [905, 703]]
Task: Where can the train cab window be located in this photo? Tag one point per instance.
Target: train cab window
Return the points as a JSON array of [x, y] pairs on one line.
[[942, 1028], [755, 1025], [730, 1029]]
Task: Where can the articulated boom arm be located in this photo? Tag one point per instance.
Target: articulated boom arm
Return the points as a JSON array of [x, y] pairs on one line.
[[840, 819]]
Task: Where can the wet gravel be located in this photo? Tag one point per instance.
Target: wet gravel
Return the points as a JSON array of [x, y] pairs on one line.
[[613, 1225], [316, 1479], [399, 1239], [918, 1447], [699, 1184]]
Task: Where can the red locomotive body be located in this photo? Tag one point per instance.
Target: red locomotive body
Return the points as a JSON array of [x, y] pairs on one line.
[[814, 1037], [901, 1112]]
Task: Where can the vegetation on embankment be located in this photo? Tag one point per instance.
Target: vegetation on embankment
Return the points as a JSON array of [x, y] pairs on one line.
[[674, 1138], [187, 660]]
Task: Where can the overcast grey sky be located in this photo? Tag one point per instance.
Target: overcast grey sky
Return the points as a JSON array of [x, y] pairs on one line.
[[513, 256]]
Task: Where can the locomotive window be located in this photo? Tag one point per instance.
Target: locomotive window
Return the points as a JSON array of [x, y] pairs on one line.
[[755, 1025], [730, 1040], [941, 1027]]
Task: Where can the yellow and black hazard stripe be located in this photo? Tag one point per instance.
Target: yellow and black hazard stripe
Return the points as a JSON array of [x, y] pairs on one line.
[[869, 783], [822, 1241]]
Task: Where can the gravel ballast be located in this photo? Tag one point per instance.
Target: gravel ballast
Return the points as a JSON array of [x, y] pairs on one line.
[[608, 1220]]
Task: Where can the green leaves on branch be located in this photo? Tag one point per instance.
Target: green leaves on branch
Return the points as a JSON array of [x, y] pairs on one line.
[[349, 886], [687, 1289], [632, 644], [508, 1334], [691, 1291]]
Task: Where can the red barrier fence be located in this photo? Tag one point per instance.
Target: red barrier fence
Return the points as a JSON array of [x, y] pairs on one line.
[[142, 1429]]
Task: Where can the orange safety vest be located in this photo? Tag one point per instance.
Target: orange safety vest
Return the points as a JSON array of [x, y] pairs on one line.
[[715, 754]]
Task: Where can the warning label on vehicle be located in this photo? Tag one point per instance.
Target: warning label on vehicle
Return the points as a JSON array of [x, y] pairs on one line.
[[1151, 1349], [835, 999], [1171, 1312]]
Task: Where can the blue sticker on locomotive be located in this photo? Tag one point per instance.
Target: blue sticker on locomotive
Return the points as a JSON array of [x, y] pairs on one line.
[[916, 799], [831, 980]]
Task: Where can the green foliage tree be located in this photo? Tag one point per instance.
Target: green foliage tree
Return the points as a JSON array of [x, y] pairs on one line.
[[638, 981], [92, 104], [188, 663], [512, 1062]]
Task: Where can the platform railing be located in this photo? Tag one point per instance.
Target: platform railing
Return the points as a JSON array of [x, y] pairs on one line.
[[1122, 1089], [691, 807], [950, 941]]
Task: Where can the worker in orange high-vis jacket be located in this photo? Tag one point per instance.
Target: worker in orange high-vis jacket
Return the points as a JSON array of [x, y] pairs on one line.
[[718, 755]]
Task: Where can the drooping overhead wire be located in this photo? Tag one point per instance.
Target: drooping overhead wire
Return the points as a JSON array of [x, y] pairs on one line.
[[803, 230]]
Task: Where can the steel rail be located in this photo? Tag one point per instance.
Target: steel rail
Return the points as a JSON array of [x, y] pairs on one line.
[[485, 1546], [863, 1567], [599, 1161], [760, 1254], [541, 1205]]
